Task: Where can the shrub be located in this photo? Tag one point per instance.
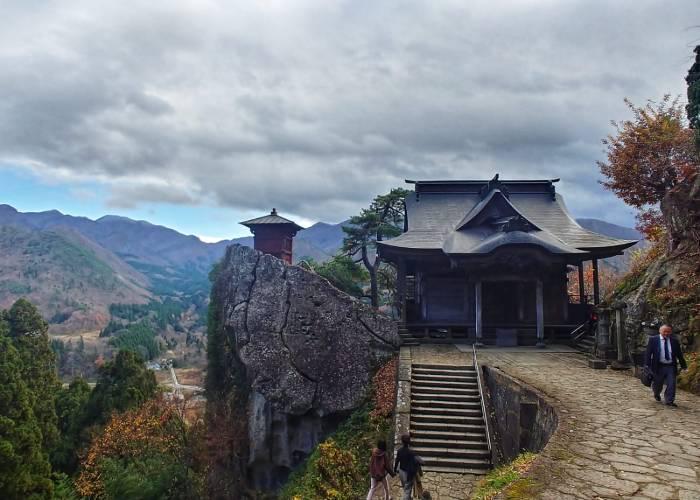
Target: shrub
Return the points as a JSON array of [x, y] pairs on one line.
[[690, 379]]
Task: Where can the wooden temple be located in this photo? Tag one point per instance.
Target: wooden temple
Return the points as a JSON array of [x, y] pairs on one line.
[[487, 261]]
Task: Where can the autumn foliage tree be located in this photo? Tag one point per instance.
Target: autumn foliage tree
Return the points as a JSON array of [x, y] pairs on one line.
[[608, 279], [143, 453], [647, 156]]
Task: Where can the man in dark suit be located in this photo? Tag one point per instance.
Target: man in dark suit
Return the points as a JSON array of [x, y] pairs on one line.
[[663, 357]]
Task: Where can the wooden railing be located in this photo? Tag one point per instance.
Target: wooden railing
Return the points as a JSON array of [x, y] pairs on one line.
[[480, 384], [579, 332]]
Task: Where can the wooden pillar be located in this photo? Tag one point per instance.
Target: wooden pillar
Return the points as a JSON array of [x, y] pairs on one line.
[[539, 299], [581, 284], [596, 283], [477, 313], [521, 302], [620, 333], [401, 290]]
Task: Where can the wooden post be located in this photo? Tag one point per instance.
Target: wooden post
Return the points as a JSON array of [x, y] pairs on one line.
[[539, 297], [477, 313], [521, 302], [596, 283], [401, 290], [620, 332], [581, 285]]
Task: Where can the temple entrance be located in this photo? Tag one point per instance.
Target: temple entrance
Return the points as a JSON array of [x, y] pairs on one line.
[[501, 302], [446, 299]]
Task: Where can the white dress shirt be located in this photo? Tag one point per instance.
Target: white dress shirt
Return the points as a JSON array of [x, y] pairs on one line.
[[662, 351]]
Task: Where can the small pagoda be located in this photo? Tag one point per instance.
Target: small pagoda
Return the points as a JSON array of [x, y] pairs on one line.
[[273, 234]]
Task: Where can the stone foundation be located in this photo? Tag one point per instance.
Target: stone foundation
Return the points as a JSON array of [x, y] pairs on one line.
[[524, 420]]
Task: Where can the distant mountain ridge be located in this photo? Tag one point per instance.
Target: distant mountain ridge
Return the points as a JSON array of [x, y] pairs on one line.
[[150, 260]]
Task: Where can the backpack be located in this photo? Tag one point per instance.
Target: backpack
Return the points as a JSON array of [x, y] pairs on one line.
[[377, 466]]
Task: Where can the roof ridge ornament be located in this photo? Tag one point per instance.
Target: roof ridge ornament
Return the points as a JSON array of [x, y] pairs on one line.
[[494, 184], [514, 223]]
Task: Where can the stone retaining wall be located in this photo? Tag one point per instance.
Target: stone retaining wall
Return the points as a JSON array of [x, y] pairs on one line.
[[524, 420]]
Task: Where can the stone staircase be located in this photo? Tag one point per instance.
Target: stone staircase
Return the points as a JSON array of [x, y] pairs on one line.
[[586, 344], [447, 425]]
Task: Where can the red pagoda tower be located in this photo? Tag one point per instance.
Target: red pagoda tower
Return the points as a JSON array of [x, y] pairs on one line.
[[273, 235]]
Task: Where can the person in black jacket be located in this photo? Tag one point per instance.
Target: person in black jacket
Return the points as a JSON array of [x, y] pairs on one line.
[[406, 464], [663, 356]]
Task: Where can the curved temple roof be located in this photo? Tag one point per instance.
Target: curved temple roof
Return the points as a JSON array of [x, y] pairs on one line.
[[272, 219], [477, 217]]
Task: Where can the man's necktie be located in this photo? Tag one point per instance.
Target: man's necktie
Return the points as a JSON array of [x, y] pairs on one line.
[[666, 356]]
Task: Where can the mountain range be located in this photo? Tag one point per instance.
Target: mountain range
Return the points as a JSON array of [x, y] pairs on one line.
[[75, 267]]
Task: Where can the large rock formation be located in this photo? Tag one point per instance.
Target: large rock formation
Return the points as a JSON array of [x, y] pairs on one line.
[[308, 352], [668, 288]]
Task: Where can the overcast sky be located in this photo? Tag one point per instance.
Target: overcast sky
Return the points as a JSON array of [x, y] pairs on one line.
[[198, 114]]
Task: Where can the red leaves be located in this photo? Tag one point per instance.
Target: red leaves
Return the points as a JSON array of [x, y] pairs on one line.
[[384, 386], [649, 154]]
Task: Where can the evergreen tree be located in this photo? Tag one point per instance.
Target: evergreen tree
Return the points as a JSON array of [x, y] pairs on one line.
[[693, 107], [122, 384], [24, 467], [29, 333], [384, 218], [71, 406]]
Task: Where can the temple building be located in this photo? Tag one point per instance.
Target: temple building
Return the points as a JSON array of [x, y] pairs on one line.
[[274, 235], [487, 261]]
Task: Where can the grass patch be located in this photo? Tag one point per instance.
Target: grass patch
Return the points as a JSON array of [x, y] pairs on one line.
[[508, 479]]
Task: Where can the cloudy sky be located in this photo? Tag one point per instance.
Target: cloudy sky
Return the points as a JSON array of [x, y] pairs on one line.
[[199, 114]]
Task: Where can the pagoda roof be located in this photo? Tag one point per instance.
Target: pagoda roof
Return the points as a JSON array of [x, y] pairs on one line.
[[478, 217], [270, 220]]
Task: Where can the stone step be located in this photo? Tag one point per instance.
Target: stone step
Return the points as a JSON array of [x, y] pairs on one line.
[[431, 377], [479, 435], [423, 442], [448, 426], [455, 412], [470, 396], [457, 463], [429, 452], [472, 404], [448, 419], [443, 368], [454, 470], [444, 384], [447, 393], [434, 372]]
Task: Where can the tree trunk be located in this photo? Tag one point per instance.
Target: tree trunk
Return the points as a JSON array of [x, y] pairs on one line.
[[374, 292], [372, 270]]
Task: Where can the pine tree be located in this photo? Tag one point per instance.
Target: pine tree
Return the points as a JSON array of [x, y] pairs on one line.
[[29, 333], [24, 467], [122, 384], [71, 405], [693, 107]]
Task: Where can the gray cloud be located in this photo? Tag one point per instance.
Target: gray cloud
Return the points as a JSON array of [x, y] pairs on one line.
[[314, 107]]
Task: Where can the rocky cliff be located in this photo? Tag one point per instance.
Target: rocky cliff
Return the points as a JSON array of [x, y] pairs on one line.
[[666, 288], [304, 352]]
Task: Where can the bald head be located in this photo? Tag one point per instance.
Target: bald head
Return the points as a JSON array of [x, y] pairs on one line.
[[665, 330]]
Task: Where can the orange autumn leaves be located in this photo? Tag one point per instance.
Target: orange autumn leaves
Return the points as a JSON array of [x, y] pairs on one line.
[[384, 385], [647, 156], [150, 428], [607, 278]]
